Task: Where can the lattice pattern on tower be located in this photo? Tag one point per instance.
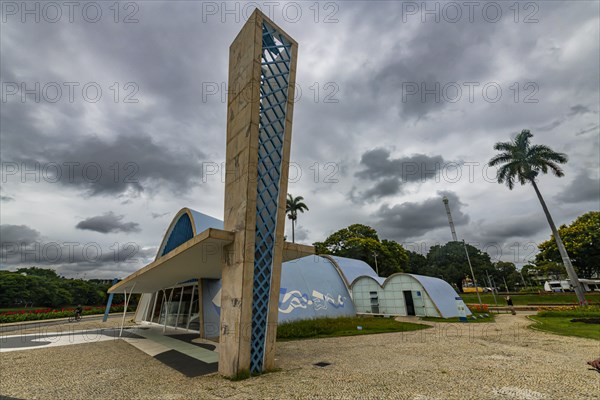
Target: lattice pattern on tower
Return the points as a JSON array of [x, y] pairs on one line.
[[275, 65]]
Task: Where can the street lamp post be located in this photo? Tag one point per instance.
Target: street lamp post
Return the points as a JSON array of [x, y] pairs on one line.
[[491, 286], [472, 274], [523, 279], [376, 268]]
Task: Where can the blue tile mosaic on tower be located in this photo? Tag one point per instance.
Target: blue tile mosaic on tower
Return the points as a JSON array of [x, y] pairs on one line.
[[275, 65]]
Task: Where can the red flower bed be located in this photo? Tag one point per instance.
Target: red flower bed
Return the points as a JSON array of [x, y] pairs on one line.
[[478, 307], [49, 313]]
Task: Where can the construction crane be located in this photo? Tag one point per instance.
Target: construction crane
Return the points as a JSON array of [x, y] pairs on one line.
[[454, 238], [445, 200]]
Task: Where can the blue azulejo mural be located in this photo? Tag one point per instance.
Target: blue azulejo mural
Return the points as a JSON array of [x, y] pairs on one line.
[[311, 287], [291, 300]]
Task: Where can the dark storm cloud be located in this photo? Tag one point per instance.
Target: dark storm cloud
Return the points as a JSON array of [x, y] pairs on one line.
[[143, 53], [581, 189], [579, 109], [108, 223], [406, 81], [6, 198], [390, 174], [23, 246], [373, 87], [111, 265], [522, 228], [471, 52], [554, 124], [159, 141], [415, 219], [13, 234], [418, 167], [158, 215], [385, 187], [100, 166], [576, 110]]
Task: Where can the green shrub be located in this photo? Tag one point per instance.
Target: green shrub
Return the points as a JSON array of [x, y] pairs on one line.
[[579, 312]]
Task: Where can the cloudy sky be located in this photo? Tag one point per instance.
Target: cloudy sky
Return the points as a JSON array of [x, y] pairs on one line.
[[113, 119]]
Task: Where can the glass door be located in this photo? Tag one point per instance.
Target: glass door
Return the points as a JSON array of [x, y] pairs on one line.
[[184, 306]]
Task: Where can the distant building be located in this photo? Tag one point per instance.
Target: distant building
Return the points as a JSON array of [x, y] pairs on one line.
[[101, 281]]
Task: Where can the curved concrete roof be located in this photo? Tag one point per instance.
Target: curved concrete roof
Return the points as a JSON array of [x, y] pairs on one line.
[[186, 224], [312, 288], [352, 269], [441, 293]]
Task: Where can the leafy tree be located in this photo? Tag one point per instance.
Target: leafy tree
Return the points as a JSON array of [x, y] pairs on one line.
[[394, 258], [582, 241], [505, 272], [546, 270], [522, 161], [417, 263], [42, 272], [62, 297], [361, 242], [294, 205], [336, 243], [43, 287], [14, 289], [450, 261]]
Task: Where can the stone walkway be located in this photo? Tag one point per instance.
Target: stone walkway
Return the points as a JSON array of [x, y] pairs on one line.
[[501, 360], [180, 350]]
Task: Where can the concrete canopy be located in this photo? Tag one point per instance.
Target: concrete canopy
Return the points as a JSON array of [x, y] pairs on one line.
[[192, 248], [199, 257]]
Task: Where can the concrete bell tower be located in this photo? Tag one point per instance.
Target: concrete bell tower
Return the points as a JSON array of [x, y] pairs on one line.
[[262, 72]]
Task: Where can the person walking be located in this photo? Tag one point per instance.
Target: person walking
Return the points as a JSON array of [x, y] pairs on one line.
[[510, 305], [78, 312], [595, 364]]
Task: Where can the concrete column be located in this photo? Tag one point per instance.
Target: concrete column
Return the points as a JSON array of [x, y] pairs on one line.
[[201, 309]]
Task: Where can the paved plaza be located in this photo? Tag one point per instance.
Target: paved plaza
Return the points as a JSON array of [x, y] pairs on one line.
[[502, 360]]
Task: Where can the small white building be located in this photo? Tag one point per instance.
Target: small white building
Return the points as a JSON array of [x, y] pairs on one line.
[[406, 294]]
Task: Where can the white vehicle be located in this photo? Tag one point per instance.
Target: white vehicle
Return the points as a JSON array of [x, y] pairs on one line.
[[589, 285], [558, 286]]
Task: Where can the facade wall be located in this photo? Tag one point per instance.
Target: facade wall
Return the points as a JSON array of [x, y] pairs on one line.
[[390, 298], [423, 304], [143, 306], [311, 287], [211, 304], [362, 291]]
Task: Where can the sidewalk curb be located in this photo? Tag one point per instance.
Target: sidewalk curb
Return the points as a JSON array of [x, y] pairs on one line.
[[37, 321]]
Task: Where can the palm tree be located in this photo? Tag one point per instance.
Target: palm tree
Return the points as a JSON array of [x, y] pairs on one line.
[[522, 161], [292, 206]]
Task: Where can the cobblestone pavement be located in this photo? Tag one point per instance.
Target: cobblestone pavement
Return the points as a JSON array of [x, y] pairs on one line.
[[501, 360]]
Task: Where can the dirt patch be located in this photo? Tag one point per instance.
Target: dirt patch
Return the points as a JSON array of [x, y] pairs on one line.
[[587, 320]]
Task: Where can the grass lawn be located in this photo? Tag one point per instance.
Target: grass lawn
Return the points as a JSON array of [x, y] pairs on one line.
[[489, 318], [559, 322], [345, 326], [530, 298], [564, 326]]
